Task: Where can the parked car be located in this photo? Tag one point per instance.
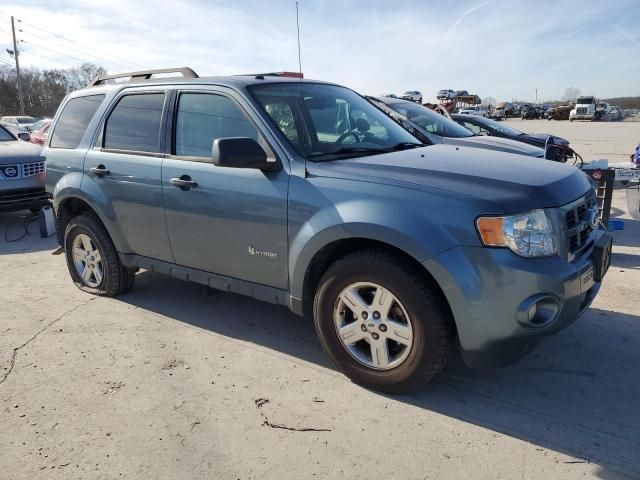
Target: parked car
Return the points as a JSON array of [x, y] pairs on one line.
[[433, 128], [22, 174], [446, 94], [488, 127], [413, 96], [560, 112], [503, 110], [39, 136], [529, 112], [304, 194], [39, 124], [21, 122], [474, 110]]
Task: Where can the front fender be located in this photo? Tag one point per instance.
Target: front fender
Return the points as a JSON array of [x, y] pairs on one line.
[[381, 221]]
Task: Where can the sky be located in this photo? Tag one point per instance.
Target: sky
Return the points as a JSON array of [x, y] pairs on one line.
[[505, 49]]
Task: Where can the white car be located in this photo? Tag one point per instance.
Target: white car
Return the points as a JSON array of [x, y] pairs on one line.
[[477, 110], [412, 95], [22, 123]]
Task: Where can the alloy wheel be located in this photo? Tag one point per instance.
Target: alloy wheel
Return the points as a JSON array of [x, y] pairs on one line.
[[87, 260], [373, 325]]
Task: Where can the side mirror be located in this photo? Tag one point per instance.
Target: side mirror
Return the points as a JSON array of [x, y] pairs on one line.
[[241, 152], [26, 136]]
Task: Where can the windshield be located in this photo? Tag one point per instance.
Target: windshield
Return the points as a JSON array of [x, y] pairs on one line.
[[5, 136], [500, 127], [429, 120], [23, 120], [327, 122], [585, 101], [38, 125]]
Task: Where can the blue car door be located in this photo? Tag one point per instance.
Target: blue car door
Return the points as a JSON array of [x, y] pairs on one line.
[[230, 221]]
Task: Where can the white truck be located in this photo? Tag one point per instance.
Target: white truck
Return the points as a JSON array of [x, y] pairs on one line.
[[474, 110], [585, 109]]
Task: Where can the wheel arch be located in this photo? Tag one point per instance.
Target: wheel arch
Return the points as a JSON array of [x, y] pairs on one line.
[[333, 251], [76, 204]]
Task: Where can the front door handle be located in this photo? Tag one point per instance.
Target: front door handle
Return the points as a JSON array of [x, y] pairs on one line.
[[99, 171], [184, 182]]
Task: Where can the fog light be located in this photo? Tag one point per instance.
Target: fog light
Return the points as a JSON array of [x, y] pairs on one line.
[[538, 311]]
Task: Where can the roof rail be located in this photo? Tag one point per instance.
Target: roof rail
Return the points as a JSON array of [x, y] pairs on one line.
[[186, 72]]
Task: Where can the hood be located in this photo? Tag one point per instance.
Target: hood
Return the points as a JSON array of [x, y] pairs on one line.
[[497, 143], [17, 151], [541, 138], [514, 183]]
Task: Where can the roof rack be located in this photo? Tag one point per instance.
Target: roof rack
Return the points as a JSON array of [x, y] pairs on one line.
[[186, 72], [273, 74]]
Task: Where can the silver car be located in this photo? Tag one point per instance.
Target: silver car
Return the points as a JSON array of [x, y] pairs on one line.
[[22, 123], [22, 174], [432, 128]]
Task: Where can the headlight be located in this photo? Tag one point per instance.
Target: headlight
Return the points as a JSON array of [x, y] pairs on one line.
[[528, 234]]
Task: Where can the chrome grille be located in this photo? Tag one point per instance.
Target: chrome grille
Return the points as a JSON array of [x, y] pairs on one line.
[[582, 220], [581, 111], [31, 169]]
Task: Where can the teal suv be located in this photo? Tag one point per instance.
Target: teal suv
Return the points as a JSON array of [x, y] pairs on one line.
[[303, 194]]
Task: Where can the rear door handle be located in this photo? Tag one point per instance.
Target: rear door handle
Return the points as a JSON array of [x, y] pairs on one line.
[[184, 182], [99, 171]]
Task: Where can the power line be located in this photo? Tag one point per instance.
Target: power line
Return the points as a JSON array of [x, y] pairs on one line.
[[76, 43], [60, 45], [122, 62], [46, 57], [55, 51]]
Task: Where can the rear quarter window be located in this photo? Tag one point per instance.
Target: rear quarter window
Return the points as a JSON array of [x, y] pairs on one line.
[[73, 121]]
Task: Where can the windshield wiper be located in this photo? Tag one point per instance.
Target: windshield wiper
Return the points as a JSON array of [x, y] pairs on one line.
[[366, 150], [346, 151], [403, 146]]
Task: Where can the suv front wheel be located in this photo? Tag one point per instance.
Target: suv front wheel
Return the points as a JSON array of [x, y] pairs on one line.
[[92, 259], [382, 322]]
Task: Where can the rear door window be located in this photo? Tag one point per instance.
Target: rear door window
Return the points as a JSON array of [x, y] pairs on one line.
[[135, 123], [73, 121]]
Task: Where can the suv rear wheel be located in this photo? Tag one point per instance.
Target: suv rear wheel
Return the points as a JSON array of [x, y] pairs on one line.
[[382, 323], [92, 259]]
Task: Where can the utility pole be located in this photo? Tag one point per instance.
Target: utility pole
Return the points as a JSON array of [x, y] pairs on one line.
[[15, 55], [536, 96]]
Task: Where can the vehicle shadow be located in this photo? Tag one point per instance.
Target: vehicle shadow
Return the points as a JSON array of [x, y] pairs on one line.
[[577, 394], [19, 235]]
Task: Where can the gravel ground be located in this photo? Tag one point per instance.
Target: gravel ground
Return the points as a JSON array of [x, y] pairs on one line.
[[614, 141], [174, 381]]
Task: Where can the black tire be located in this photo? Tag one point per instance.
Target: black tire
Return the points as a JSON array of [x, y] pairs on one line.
[[116, 277], [433, 330]]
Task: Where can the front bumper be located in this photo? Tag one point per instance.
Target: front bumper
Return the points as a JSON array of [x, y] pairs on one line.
[[23, 199], [581, 117], [486, 287], [23, 193]]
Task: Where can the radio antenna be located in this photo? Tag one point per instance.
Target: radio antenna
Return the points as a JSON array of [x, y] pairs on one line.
[[298, 27]]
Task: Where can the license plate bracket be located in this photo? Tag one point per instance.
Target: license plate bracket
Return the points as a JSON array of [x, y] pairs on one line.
[[601, 257]]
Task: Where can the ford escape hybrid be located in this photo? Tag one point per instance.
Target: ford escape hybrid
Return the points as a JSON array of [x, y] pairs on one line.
[[302, 193]]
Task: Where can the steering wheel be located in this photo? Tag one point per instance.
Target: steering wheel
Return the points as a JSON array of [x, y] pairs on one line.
[[344, 136]]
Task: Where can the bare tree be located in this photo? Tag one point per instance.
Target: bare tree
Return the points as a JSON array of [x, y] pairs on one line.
[[489, 101], [43, 89], [570, 94], [83, 75]]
